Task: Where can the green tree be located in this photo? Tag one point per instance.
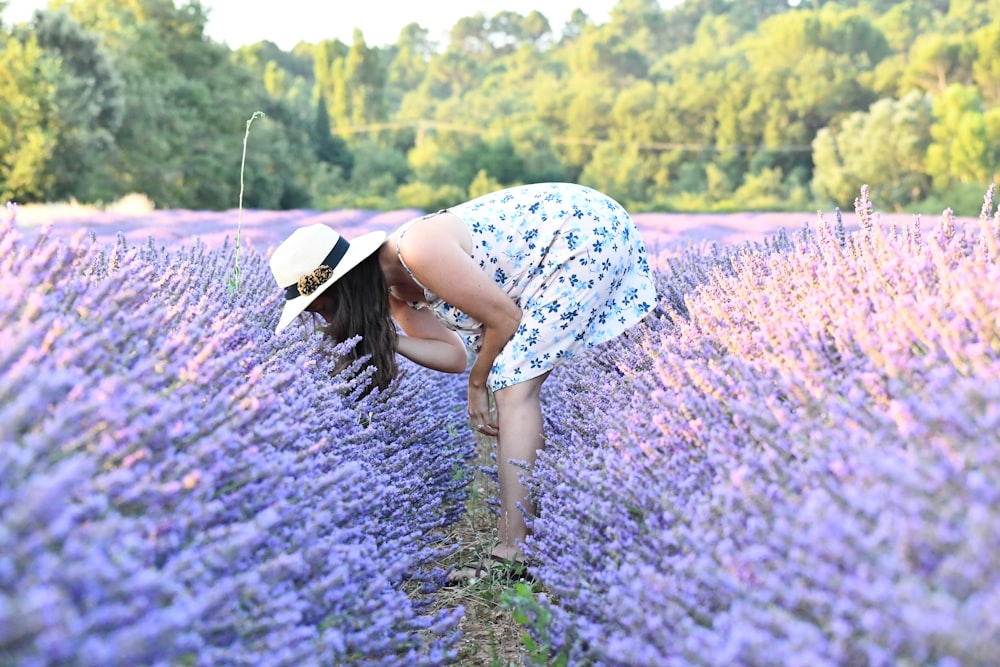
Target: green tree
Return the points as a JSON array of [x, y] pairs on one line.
[[288, 76], [808, 70], [634, 114], [378, 173], [986, 66], [627, 173], [408, 64], [575, 26], [705, 103], [769, 190], [295, 64], [585, 117], [165, 142], [683, 18], [450, 75], [966, 16], [749, 14], [885, 148], [605, 53], [187, 103], [364, 83], [506, 32], [29, 79], [429, 198], [537, 30], [330, 149], [966, 139], [470, 38], [533, 144], [328, 61], [642, 24], [937, 60], [702, 99], [483, 184], [90, 99], [903, 22], [437, 164], [275, 80]]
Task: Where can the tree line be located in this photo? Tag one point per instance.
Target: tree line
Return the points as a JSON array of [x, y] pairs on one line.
[[706, 105]]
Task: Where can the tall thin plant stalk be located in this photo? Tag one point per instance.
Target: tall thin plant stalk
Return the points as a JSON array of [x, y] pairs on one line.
[[233, 282]]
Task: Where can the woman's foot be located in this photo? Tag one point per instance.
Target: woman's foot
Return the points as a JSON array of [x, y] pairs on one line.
[[507, 553]]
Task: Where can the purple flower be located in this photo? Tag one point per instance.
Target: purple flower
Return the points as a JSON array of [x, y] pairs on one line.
[[177, 485]]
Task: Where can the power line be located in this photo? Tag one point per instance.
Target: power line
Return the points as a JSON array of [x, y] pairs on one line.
[[670, 146], [425, 125]]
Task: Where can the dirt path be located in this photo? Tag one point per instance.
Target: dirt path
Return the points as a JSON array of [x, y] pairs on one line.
[[490, 635]]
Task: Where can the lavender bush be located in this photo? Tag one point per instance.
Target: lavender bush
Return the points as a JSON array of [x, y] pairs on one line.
[[179, 486], [795, 463]]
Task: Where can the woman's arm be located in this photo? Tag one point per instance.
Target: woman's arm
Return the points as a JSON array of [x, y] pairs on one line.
[[427, 342], [437, 251]]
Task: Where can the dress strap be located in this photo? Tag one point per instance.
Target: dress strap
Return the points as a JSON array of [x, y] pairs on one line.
[[399, 255]]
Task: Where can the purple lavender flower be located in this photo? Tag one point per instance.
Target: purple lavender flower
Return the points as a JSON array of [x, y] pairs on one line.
[[795, 463], [177, 486]]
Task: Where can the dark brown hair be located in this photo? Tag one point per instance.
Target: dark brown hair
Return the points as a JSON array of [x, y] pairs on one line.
[[359, 306]]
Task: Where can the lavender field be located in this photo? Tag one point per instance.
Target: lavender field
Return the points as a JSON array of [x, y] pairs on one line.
[[794, 462], [664, 233]]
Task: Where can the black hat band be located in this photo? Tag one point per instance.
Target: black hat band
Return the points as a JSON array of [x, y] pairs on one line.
[[308, 283]]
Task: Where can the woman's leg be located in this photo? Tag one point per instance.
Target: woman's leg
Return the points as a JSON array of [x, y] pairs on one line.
[[521, 437]]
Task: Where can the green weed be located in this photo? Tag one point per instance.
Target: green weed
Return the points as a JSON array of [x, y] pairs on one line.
[[532, 614]]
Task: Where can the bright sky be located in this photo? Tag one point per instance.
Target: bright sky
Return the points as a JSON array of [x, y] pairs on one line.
[[287, 22]]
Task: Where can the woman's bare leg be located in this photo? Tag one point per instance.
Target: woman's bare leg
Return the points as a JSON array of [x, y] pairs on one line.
[[521, 437]]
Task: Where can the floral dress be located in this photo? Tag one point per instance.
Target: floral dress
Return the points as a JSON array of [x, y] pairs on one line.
[[570, 257]]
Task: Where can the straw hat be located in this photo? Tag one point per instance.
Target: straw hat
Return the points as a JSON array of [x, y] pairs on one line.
[[311, 259]]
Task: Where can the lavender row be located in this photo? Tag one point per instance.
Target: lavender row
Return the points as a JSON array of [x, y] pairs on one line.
[[663, 233], [799, 465], [180, 486]]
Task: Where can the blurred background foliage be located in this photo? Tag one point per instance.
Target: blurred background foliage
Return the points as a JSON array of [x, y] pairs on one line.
[[708, 105]]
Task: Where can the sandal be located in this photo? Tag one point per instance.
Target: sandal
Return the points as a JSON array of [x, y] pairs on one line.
[[495, 566]]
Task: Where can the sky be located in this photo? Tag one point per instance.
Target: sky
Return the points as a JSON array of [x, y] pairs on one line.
[[287, 22]]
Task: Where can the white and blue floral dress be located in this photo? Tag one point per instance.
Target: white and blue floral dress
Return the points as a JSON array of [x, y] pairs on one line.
[[569, 256]]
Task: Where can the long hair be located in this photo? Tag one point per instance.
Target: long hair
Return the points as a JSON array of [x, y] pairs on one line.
[[361, 307]]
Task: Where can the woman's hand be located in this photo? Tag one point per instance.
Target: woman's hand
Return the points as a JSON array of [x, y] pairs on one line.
[[479, 411], [438, 253]]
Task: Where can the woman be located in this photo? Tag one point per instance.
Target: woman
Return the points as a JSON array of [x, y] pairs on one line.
[[522, 278]]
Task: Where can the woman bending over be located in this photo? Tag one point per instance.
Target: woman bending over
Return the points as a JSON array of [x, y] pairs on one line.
[[522, 279]]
